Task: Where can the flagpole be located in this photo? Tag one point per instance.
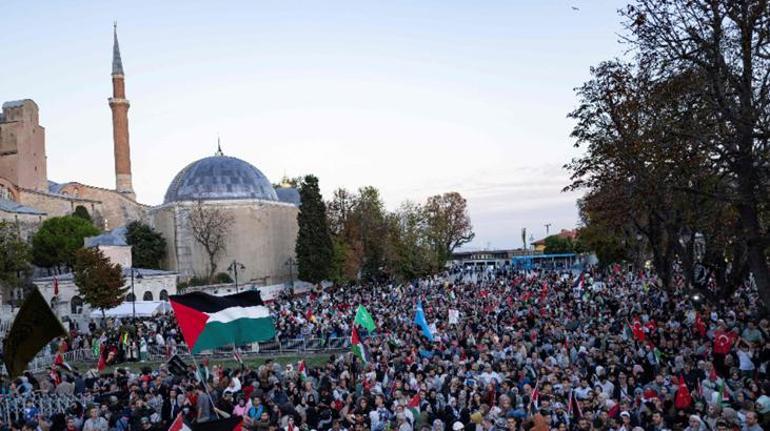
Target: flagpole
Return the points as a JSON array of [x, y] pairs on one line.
[[205, 385]]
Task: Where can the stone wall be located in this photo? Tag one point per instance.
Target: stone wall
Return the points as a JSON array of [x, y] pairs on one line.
[[57, 205], [120, 254], [262, 238], [116, 208], [26, 223], [22, 146]]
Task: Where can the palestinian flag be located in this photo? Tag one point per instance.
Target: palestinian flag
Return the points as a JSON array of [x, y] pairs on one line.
[[179, 425], [414, 406], [357, 346], [302, 371], [209, 321]]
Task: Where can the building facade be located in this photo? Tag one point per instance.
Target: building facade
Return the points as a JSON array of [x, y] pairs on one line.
[[28, 197]]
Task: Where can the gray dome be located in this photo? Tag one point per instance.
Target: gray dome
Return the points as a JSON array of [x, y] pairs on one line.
[[218, 178]]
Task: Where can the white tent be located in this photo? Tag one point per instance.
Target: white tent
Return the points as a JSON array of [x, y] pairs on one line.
[[143, 309]]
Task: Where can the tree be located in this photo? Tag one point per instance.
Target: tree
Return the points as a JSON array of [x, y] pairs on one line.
[[15, 255], [410, 253], [448, 224], [148, 247], [558, 244], [727, 43], [99, 281], [57, 240], [210, 227], [314, 247], [369, 217], [82, 212]]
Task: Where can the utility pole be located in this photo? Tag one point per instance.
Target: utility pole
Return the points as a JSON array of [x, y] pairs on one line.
[[234, 267]]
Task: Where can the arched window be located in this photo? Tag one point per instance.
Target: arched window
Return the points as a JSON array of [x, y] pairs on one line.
[[76, 305], [163, 295], [147, 296], [130, 297]]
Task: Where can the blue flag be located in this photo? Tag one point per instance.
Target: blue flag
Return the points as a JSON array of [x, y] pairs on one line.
[[419, 319]]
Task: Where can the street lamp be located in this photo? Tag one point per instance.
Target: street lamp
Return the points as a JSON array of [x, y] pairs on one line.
[[139, 277], [291, 263], [234, 267]]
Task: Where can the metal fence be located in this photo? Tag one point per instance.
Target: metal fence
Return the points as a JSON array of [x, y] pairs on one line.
[[43, 361], [18, 408]]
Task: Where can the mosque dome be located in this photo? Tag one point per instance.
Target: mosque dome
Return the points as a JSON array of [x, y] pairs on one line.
[[219, 178]]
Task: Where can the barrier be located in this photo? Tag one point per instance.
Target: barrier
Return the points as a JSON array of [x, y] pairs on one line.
[[15, 408]]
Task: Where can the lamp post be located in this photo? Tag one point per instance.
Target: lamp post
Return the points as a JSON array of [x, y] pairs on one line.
[[234, 267], [291, 263], [133, 293]]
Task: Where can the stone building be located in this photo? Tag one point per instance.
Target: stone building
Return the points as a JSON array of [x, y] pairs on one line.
[[261, 238], [26, 194], [148, 284], [264, 227]]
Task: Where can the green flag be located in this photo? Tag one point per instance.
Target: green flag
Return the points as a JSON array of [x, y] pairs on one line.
[[34, 326], [364, 319]]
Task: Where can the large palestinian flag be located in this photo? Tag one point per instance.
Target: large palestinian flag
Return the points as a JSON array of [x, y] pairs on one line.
[[209, 321]]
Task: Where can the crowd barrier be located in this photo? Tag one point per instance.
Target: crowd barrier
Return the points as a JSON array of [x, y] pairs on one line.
[[43, 362], [18, 408]]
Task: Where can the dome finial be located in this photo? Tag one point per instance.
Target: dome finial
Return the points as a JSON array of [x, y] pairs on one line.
[[219, 147]]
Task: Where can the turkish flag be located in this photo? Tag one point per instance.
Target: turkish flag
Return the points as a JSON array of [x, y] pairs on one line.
[[683, 398], [723, 341]]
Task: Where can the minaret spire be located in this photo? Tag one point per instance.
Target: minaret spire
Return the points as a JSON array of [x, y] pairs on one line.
[[117, 63], [119, 105]]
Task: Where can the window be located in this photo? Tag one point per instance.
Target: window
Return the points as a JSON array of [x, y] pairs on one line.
[[147, 296], [130, 297], [163, 295]]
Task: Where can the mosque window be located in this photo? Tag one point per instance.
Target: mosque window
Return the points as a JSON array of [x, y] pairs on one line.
[[147, 296], [163, 295], [130, 297]]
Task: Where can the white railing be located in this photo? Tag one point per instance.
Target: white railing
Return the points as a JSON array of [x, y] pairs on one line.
[[12, 407]]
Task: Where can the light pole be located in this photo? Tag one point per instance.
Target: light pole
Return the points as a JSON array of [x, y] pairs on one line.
[[234, 267], [291, 263], [133, 293]]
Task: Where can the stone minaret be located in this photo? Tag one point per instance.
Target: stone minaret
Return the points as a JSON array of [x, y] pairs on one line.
[[119, 105]]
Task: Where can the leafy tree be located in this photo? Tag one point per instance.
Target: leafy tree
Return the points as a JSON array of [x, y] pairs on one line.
[[82, 212], [410, 251], [448, 224], [15, 255], [99, 281], [726, 43], [314, 248], [148, 247], [57, 240], [558, 244], [370, 217], [210, 227]]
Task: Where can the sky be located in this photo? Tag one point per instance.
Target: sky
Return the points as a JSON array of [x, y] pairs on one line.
[[416, 98]]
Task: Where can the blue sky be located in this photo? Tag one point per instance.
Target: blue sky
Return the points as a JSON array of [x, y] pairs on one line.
[[412, 97]]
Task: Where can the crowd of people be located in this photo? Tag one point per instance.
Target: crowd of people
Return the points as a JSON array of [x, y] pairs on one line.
[[510, 350]]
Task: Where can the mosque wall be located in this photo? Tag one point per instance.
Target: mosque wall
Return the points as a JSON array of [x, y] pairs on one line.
[[116, 209], [27, 224], [56, 205], [262, 238]]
